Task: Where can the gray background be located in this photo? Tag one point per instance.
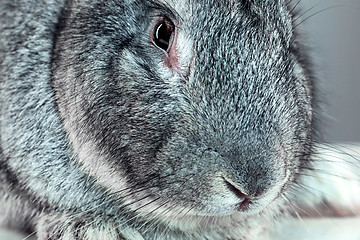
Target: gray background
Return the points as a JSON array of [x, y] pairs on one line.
[[334, 39]]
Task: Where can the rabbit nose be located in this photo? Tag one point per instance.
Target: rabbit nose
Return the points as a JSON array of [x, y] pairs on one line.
[[235, 189], [245, 200], [251, 190]]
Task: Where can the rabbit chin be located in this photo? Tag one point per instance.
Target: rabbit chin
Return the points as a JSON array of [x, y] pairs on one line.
[[214, 215]]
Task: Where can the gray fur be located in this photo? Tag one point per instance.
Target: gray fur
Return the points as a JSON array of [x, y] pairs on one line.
[[103, 138]]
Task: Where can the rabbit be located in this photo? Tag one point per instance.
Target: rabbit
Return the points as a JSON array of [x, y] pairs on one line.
[[152, 119]]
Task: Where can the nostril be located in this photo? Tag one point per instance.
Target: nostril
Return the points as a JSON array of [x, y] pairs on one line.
[[245, 199], [235, 189], [244, 205]]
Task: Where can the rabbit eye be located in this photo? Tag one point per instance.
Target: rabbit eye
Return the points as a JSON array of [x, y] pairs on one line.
[[163, 33]]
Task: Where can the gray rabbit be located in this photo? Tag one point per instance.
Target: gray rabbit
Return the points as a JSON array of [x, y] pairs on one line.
[[151, 119]]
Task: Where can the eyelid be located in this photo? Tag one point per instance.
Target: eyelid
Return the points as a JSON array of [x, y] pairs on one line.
[[164, 10]]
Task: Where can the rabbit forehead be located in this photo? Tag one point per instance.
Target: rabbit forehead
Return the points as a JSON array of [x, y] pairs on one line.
[[274, 10], [256, 26]]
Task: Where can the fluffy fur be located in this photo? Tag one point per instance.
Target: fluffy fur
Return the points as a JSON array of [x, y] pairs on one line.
[[106, 136]]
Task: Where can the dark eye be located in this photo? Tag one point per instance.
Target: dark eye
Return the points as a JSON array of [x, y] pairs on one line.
[[163, 33]]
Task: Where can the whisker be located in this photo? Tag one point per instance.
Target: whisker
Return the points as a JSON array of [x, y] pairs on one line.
[[305, 12], [313, 207], [134, 186], [294, 208], [316, 13], [294, 7]]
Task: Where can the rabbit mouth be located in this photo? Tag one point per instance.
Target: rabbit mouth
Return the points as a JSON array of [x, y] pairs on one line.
[[232, 206], [189, 219]]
